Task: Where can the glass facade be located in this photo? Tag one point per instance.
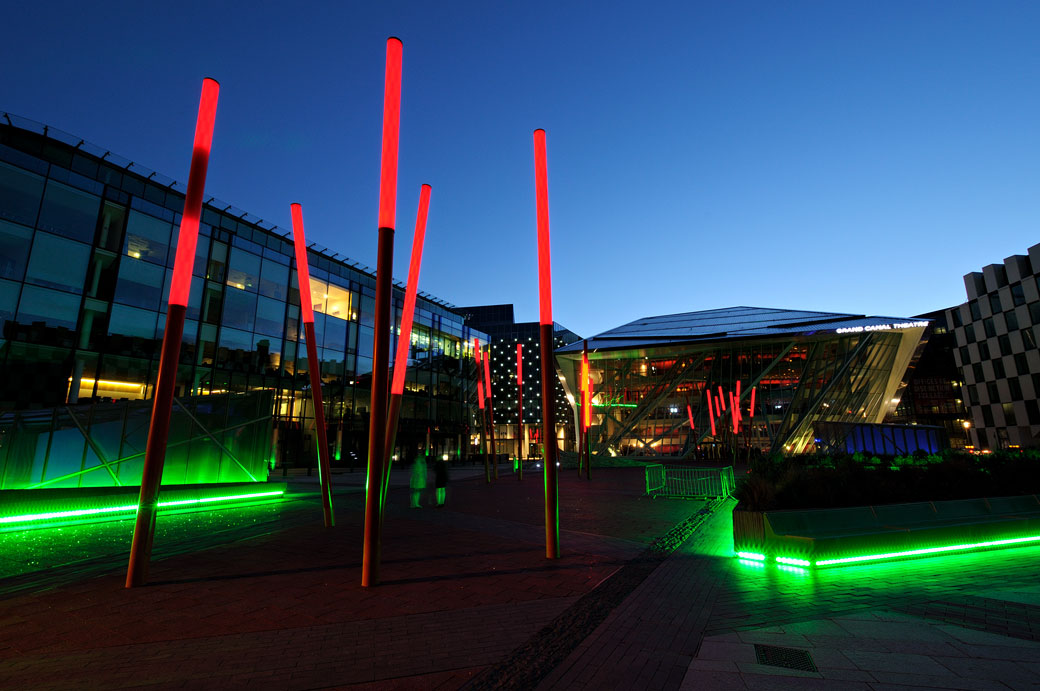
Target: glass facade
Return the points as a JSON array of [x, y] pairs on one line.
[[651, 377], [87, 245]]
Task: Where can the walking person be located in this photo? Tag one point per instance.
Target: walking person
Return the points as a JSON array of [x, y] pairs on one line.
[[418, 479], [440, 480]]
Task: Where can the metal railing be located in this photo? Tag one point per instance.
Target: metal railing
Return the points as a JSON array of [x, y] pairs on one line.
[[689, 483]]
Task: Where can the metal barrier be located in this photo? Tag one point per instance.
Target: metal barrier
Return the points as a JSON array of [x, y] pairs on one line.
[[689, 483]]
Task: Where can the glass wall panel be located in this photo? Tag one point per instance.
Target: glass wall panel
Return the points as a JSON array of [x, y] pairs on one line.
[[57, 263], [20, 194], [139, 284], [110, 229], [14, 249], [335, 335], [274, 279], [48, 306], [147, 238], [239, 309], [340, 302], [131, 321], [244, 270], [270, 317], [69, 212], [8, 303]]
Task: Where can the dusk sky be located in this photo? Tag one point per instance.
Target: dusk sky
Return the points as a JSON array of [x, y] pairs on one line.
[[851, 157]]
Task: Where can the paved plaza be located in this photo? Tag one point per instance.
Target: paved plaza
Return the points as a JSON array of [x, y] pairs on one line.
[[646, 595]]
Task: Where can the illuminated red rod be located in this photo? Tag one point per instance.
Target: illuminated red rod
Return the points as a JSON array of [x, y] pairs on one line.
[[711, 414], [404, 339], [751, 410], [162, 403], [689, 412], [545, 339], [737, 399], [480, 392], [490, 408], [586, 393], [314, 364], [371, 553], [735, 414], [721, 401], [483, 419], [480, 374]]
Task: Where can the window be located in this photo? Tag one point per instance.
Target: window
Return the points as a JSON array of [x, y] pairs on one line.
[[1021, 365], [335, 336], [1005, 344], [976, 370], [1034, 312], [239, 309], [139, 284], [217, 266], [270, 317], [998, 369], [987, 416], [1011, 318], [8, 303], [274, 279], [994, 303], [994, 393], [976, 313], [48, 306], [956, 312], [1009, 414], [69, 212], [14, 250], [130, 321], [1018, 296], [57, 263], [965, 357], [969, 333], [110, 229], [984, 350], [1028, 340], [988, 325], [1016, 389], [20, 194], [244, 270], [147, 238]]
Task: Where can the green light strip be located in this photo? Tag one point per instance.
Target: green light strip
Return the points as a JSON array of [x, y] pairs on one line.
[[615, 405], [792, 561], [752, 556], [929, 550], [27, 518]]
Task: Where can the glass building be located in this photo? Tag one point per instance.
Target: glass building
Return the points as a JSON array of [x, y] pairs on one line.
[[652, 379], [87, 245]]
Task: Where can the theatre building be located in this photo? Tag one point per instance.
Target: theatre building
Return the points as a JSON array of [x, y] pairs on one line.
[[87, 245], [800, 381]]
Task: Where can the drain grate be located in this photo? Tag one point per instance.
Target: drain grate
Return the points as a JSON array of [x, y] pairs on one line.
[[778, 656]]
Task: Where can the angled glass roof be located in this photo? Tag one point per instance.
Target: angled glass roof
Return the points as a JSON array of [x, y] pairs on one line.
[[735, 323]]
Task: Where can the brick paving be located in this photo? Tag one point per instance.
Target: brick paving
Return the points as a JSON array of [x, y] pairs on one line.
[[467, 592]]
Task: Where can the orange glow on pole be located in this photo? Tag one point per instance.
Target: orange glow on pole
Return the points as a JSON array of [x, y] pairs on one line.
[[751, 410], [303, 274], [188, 236], [711, 415], [721, 401], [408, 312], [391, 132], [541, 178]]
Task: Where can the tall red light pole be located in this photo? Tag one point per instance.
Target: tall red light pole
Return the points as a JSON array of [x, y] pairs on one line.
[[381, 338], [545, 338], [314, 364], [483, 415], [490, 409], [519, 411], [586, 421], [404, 339], [162, 404]]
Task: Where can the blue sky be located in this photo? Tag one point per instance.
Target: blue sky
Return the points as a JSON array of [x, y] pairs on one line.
[[854, 157]]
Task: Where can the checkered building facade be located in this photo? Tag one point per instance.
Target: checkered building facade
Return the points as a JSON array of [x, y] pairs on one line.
[[996, 333]]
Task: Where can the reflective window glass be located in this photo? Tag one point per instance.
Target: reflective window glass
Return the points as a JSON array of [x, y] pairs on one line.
[[211, 302], [147, 238], [14, 249], [69, 212], [239, 309], [1018, 296], [319, 294], [994, 303], [270, 317], [57, 263], [976, 313], [233, 339], [217, 266], [274, 279], [268, 352], [335, 335], [244, 270], [110, 229], [48, 306], [1012, 320], [340, 302], [130, 321], [8, 303], [139, 284], [20, 194]]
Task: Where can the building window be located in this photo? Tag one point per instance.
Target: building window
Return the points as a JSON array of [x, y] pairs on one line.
[[1016, 389], [969, 333], [1005, 344], [14, 250], [1034, 312], [1028, 340], [49, 307], [139, 284], [57, 263], [1009, 414], [994, 393], [976, 313], [984, 350], [989, 327], [1011, 318], [69, 212], [1021, 365], [956, 312], [998, 369], [1018, 296], [994, 303]]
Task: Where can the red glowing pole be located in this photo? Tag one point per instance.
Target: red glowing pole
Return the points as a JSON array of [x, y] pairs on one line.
[[380, 340], [734, 414], [583, 379], [404, 339], [490, 408], [162, 404], [519, 411], [484, 418], [721, 401], [314, 365], [545, 332], [751, 410], [586, 447], [711, 415]]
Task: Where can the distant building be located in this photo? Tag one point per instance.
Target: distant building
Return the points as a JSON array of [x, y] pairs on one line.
[[504, 334], [797, 371], [996, 333]]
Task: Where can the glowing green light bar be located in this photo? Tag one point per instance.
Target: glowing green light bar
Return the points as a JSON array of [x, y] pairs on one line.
[[929, 550], [615, 405], [27, 518], [792, 561], [752, 556]]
